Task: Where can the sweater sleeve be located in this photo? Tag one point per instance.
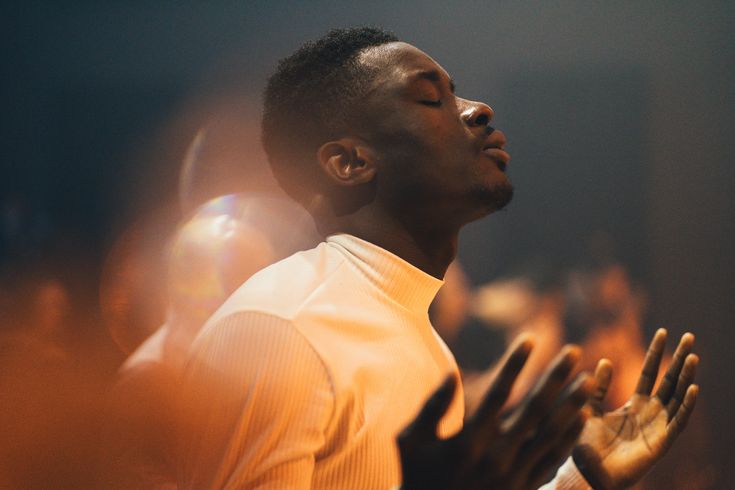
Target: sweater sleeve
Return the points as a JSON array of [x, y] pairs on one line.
[[567, 477], [257, 400]]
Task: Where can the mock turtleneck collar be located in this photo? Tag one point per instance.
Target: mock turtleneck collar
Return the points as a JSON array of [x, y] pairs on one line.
[[401, 281]]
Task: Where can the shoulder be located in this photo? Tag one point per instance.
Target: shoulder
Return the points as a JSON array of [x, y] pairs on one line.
[[254, 352], [283, 288]]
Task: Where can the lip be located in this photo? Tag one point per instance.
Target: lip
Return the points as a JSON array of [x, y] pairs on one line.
[[499, 156]]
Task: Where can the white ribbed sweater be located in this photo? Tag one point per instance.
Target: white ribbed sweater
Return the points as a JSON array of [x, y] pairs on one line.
[[303, 378]]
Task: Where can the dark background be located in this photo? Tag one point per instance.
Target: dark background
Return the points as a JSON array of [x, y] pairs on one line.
[[620, 119]]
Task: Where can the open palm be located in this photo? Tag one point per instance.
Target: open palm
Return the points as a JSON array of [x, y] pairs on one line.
[[617, 448]]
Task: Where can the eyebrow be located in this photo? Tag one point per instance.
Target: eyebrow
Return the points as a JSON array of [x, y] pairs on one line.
[[434, 76]]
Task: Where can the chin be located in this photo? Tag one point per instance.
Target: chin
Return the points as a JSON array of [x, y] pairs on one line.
[[494, 197]]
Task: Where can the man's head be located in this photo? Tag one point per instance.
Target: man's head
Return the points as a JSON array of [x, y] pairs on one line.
[[360, 110], [313, 98]]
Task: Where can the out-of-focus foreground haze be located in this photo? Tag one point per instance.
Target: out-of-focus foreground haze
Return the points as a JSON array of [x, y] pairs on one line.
[[620, 118]]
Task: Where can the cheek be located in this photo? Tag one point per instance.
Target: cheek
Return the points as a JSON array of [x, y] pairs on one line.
[[417, 146], [409, 142], [433, 142]]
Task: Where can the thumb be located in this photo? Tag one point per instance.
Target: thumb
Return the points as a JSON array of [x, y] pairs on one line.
[[423, 428]]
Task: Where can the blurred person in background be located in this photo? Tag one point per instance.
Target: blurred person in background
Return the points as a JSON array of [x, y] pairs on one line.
[[42, 332], [172, 268], [132, 290], [606, 312], [227, 240], [531, 303]]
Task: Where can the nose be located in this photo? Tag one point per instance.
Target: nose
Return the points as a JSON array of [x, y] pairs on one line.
[[477, 114]]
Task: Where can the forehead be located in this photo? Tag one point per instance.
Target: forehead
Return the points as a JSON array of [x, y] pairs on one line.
[[399, 63]]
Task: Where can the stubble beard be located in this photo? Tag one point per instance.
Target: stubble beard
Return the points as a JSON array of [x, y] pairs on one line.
[[494, 197]]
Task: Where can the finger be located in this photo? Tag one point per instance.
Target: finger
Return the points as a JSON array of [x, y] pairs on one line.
[[566, 414], [512, 364], [423, 428], [603, 376], [669, 383], [651, 363], [558, 452], [542, 397], [681, 418], [686, 378]]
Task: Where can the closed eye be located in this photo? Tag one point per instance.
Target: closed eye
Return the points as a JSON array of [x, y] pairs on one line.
[[432, 103]]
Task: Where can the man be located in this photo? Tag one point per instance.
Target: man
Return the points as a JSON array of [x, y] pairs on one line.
[[308, 373]]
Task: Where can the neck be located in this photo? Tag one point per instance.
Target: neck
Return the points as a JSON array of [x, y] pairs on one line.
[[430, 249]]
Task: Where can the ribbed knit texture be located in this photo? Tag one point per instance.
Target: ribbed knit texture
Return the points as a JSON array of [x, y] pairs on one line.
[[308, 372], [568, 478]]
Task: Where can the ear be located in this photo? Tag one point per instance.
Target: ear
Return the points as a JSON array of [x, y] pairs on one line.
[[347, 162]]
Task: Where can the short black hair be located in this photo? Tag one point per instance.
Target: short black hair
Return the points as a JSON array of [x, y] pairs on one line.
[[310, 99]]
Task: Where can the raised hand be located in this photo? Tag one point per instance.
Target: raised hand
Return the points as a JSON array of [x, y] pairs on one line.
[[617, 448], [513, 452]]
